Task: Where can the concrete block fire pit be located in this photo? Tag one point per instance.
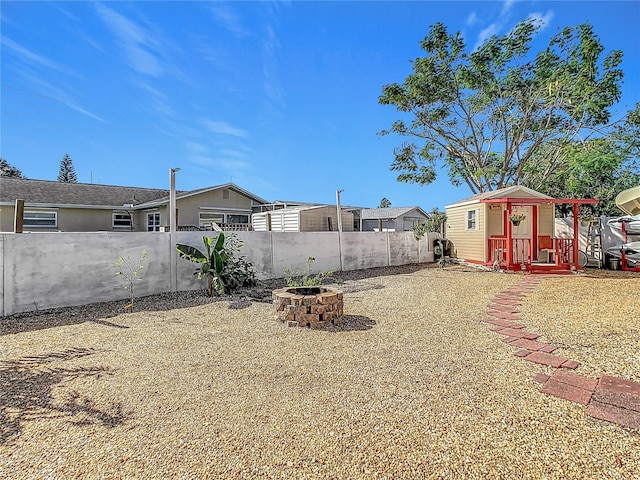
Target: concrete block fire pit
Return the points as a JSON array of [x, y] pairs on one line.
[[312, 307]]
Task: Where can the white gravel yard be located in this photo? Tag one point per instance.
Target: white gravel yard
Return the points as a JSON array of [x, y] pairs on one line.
[[412, 386]]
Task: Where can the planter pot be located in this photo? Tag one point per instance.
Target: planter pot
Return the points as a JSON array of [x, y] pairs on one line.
[[515, 222]]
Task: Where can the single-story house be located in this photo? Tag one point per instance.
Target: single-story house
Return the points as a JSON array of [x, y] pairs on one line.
[[392, 219], [302, 218], [83, 207], [514, 228]]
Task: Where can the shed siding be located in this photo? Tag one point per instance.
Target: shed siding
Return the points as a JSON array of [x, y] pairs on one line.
[[467, 244]]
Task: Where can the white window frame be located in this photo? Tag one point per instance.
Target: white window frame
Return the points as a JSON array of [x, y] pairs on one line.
[[37, 215], [213, 217], [471, 219], [153, 226], [126, 216]]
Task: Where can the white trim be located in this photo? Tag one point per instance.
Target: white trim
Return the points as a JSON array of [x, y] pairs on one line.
[[35, 210], [476, 220], [126, 214], [226, 209]]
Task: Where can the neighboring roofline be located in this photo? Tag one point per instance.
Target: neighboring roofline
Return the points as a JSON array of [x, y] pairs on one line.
[[403, 210], [191, 193], [68, 205]]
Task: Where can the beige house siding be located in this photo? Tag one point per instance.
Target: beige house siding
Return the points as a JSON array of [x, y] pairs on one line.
[[73, 219], [467, 244], [189, 208]]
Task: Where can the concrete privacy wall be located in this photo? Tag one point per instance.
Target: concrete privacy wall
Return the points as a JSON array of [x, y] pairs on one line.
[[48, 270]]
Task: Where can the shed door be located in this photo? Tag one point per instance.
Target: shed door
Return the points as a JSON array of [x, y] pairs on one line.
[[524, 229]]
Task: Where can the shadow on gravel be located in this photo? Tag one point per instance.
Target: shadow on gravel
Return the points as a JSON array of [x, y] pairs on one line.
[[352, 323], [26, 386]]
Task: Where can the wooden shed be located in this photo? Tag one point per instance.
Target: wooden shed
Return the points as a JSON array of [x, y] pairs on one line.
[[513, 228], [316, 218]]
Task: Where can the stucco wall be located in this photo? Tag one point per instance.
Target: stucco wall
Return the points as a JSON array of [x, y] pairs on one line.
[[48, 270]]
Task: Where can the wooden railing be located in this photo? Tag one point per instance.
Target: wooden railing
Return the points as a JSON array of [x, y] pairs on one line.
[[521, 250], [520, 254], [216, 227]]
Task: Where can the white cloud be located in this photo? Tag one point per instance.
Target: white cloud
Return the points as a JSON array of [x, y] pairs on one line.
[[228, 19], [136, 43], [506, 6], [472, 19], [487, 33], [224, 128], [30, 57], [542, 19]]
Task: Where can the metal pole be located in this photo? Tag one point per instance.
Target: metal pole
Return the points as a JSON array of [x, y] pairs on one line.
[[339, 211], [173, 227]]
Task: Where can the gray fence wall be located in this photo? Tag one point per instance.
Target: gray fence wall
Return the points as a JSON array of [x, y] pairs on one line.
[[48, 270]]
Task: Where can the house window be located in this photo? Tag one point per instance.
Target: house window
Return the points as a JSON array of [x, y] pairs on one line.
[[40, 218], [121, 220], [153, 222], [207, 218], [237, 218], [472, 220]]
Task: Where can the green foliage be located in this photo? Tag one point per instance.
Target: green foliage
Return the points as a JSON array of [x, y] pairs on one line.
[[489, 114], [384, 203], [223, 268], [306, 279], [8, 170], [443, 261], [129, 269], [434, 222], [599, 168], [67, 174]]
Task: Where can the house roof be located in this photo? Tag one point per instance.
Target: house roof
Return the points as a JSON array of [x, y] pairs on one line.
[[47, 192], [515, 191], [180, 195], [53, 193], [388, 213]]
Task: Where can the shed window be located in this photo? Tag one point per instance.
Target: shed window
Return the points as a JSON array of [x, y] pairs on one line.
[[40, 218], [225, 193], [237, 218], [472, 220]]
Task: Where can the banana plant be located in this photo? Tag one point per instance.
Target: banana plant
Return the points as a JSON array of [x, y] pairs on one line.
[[212, 260]]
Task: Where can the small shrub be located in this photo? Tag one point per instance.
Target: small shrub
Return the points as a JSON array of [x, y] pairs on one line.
[[306, 279], [129, 269]]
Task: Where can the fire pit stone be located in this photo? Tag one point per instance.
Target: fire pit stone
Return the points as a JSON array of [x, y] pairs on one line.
[[312, 307]]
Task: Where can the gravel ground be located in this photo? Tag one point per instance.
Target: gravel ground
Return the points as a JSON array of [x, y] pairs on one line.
[[411, 386]]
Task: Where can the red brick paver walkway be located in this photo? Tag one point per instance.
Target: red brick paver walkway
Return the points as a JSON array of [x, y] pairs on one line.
[[608, 398]]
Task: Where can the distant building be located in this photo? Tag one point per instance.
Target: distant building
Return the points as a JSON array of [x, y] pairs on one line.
[[392, 219]]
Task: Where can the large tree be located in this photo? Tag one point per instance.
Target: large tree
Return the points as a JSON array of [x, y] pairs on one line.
[[67, 174], [488, 116], [384, 203], [8, 170], [596, 168]]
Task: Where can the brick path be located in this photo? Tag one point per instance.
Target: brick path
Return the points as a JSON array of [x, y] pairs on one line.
[[608, 398]]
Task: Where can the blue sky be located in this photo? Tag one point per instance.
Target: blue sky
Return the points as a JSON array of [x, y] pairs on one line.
[[280, 98]]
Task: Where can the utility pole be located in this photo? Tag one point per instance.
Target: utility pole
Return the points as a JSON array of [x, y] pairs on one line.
[[339, 210], [173, 227]]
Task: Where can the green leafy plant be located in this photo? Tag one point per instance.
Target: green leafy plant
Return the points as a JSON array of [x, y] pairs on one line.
[[129, 269], [434, 222], [224, 270], [306, 279], [517, 217], [443, 261]]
